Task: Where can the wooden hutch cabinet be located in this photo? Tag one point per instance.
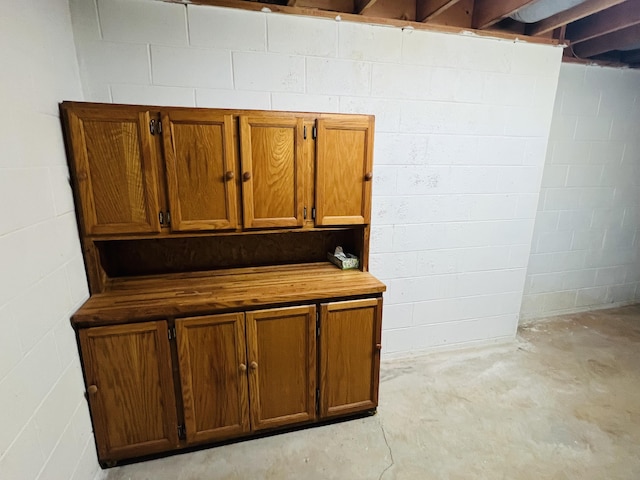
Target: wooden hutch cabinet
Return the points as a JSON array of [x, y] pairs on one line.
[[214, 313]]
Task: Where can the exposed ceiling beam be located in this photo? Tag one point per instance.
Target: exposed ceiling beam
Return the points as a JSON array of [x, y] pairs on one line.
[[612, 41], [427, 9], [332, 5], [571, 15], [362, 5], [616, 18]]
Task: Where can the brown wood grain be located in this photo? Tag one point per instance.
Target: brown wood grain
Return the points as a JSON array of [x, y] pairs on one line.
[[128, 367], [212, 360], [344, 156], [272, 158], [210, 292], [198, 148], [282, 349], [115, 170], [349, 359]]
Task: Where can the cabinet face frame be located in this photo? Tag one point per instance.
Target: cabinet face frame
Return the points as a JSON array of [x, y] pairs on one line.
[[227, 176], [143, 174], [335, 181], [103, 388], [265, 353], [252, 183], [340, 350], [232, 372]]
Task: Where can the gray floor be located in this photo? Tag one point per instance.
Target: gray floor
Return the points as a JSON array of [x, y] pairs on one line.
[[562, 402]]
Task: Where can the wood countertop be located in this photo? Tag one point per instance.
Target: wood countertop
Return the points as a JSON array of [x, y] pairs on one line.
[[200, 293]]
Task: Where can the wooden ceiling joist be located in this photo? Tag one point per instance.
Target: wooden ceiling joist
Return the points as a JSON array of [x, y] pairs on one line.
[[616, 18], [632, 57], [489, 12], [590, 7], [427, 9], [618, 40], [362, 5]]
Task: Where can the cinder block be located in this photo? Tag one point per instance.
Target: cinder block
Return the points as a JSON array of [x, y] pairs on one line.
[[532, 306], [544, 283], [400, 81], [622, 293], [397, 316], [561, 199], [529, 122], [24, 459], [575, 219], [593, 128], [55, 412], [489, 282], [191, 67], [554, 242], [36, 319], [158, 23], [554, 175], [381, 239], [394, 265], [399, 149], [385, 180], [61, 188], [420, 289], [584, 176], [397, 340], [569, 152], [31, 198], [219, 28], [534, 59], [64, 457], [338, 77], [454, 150], [587, 239], [369, 42], [387, 113], [84, 18], [466, 331], [10, 351], [588, 297], [580, 101], [153, 95], [268, 72], [509, 89], [302, 102], [577, 279], [216, 98], [297, 35], [558, 301], [65, 341], [111, 62], [424, 180]]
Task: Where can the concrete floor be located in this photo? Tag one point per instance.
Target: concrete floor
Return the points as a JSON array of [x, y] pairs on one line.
[[561, 402]]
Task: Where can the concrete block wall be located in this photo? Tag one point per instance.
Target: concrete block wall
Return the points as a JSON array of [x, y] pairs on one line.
[[45, 431], [586, 243], [461, 135]]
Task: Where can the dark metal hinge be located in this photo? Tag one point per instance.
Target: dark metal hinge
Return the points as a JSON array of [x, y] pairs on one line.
[[182, 432], [305, 213], [168, 217], [172, 333], [161, 218], [317, 324], [159, 127], [305, 132], [314, 132], [313, 213], [155, 126], [317, 400]]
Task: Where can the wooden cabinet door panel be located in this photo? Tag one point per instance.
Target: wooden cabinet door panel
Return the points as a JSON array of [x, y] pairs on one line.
[[272, 171], [115, 163], [213, 375], [282, 366], [349, 356], [344, 159], [201, 170], [130, 385]]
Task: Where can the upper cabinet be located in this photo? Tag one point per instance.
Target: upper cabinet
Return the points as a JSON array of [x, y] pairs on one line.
[[115, 169], [272, 180], [201, 170], [156, 170], [344, 162]]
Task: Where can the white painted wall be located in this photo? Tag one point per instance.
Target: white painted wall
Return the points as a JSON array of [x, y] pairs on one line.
[[461, 136], [45, 432], [586, 243]]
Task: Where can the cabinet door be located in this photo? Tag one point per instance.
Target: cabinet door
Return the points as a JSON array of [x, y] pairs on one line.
[[130, 387], [282, 366], [115, 169], [344, 159], [213, 374], [349, 356], [201, 170], [272, 178]]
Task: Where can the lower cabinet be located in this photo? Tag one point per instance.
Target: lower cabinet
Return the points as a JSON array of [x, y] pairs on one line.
[[130, 389], [239, 373]]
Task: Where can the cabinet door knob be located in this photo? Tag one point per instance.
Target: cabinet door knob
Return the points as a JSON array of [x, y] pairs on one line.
[[243, 367], [253, 365], [246, 176], [229, 175], [368, 176], [378, 346], [92, 390]]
